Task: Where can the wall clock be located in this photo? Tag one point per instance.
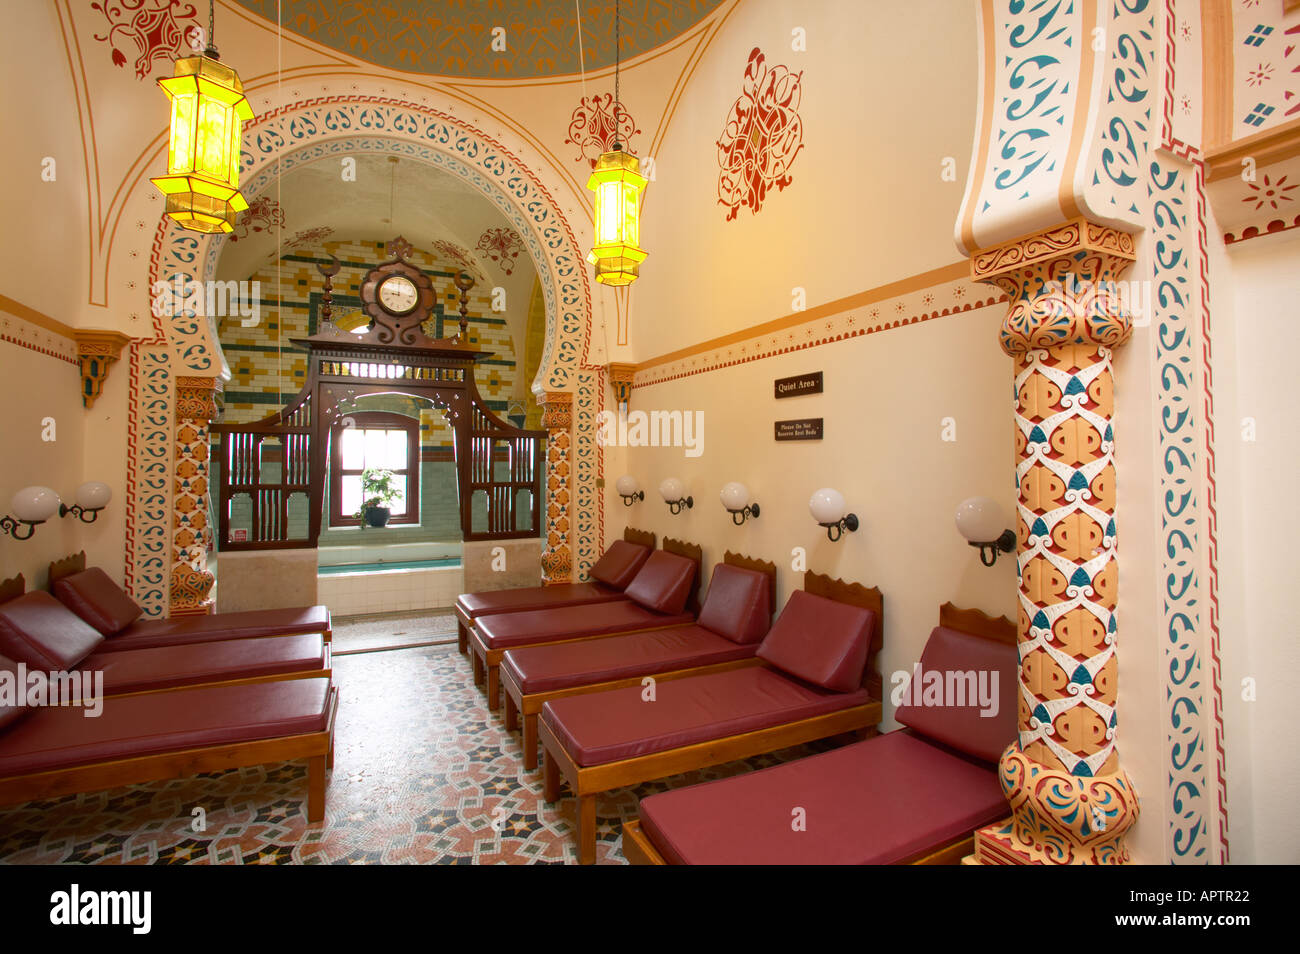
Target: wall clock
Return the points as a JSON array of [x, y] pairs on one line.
[[396, 296]]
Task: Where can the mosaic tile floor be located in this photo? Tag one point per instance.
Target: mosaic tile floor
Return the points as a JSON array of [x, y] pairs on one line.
[[365, 634], [421, 769]]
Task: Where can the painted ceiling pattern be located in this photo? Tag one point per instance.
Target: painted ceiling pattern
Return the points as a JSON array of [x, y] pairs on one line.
[[148, 31], [469, 38], [761, 137], [597, 123]]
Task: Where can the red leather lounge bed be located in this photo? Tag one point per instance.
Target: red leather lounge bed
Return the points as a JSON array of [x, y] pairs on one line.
[[661, 595], [47, 752], [39, 631], [736, 614], [92, 595], [818, 680], [609, 577], [910, 796]]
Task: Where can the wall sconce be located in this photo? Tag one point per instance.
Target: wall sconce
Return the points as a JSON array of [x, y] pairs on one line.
[[674, 493], [629, 490], [980, 521], [735, 497], [92, 497], [827, 506], [31, 506]]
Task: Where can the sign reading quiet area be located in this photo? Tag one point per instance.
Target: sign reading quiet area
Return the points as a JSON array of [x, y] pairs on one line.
[[810, 383]]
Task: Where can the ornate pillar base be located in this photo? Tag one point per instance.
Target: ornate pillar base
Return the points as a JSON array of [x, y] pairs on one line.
[[1058, 818], [191, 581]]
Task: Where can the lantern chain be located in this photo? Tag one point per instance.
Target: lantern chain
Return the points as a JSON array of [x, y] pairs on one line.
[[618, 42]]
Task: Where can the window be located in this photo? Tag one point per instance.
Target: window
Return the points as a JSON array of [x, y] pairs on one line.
[[376, 439]]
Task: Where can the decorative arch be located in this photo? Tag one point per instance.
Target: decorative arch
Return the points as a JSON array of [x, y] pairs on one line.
[[164, 546]]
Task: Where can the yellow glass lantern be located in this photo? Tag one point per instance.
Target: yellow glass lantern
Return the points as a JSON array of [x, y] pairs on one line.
[[208, 113], [617, 182]]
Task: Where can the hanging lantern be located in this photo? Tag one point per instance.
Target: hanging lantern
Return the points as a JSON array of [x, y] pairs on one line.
[[208, 113], [617, 182]]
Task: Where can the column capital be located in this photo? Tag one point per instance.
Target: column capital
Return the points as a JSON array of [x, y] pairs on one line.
[[557, 410], [1063, 284], [196, 397]]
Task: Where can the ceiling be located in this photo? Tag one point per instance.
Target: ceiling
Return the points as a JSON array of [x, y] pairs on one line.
[[455, 37], [427, 205]]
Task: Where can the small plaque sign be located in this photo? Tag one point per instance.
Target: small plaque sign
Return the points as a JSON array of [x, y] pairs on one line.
[[238, 536], [805, 429], [810, 383]]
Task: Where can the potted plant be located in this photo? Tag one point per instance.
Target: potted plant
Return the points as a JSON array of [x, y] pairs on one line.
[[377, 492]]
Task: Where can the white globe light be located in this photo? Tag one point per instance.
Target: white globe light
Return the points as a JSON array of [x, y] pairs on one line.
[[980, 520], [94, 495], [672, 490], [827, 505], [735, 496], [627, 485], [35, 504]]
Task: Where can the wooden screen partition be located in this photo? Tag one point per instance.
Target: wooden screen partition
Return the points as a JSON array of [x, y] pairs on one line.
[[855, 594], [69, 565], [643, 537], [494, 444], [245, 478], [494, 459]]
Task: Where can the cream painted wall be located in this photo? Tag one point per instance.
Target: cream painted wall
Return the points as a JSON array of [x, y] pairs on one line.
[[33, 387], [883, 450], [866, 196], [1258, 285]]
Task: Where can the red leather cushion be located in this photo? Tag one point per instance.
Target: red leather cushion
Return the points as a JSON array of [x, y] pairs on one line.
[[871, 803], [13, 693], [618, 724], [165, 722], [503, 630], [470, 606], [166, 667], [544, 668], [38, 630], [965, 662], [738, 604], [663, 583], [820, 640], [93, 596], [620, 564], [180, 630]]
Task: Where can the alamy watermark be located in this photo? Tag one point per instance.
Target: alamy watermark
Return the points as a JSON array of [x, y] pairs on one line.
[[950, 688], [37, 689], [1134, 298], [214, 299], [652, 429]]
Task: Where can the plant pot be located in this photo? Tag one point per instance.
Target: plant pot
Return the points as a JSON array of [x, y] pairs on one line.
[[378, 516]]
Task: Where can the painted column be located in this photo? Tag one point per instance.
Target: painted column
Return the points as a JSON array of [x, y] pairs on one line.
[[191, 581], [557, 418], [1071, 801]]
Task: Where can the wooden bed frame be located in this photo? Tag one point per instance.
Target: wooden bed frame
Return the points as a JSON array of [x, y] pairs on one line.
[[585, 782], [643, 537], [316, 747], [14, 587], [487, 662], [638, 849], [66, 567], [530, 705]]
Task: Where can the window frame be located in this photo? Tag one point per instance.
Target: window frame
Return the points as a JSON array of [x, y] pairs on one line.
[[374, 421]]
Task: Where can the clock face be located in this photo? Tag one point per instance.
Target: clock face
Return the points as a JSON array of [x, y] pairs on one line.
[[398, 295]]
